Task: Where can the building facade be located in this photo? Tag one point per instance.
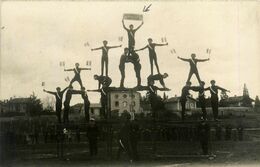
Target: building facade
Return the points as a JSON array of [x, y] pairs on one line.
[[125, 101]]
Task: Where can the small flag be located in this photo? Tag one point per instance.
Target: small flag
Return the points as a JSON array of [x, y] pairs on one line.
[[88, 63], [171, 51], [86, 44], [162, 39], [43, 83], [209, 51], [165, 39], [174, 51], [62, 63], [120, 38], [67, 79]]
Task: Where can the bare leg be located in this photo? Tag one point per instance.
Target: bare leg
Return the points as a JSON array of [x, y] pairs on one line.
[[190, 75], [156, 64], [198, 76]]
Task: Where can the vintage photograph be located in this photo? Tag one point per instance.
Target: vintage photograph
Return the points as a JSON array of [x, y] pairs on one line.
[[116, 83]]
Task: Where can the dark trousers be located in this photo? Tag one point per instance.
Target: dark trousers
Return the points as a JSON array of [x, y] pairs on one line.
[[124, 146], [104, 62], [131, 45], [137, 68], [203, 107], [93, 146], [86, 109], [214, 105], [204, 146], [78, 79], [153, 58], [194, 72], [66, 113], [183, 109], [104, 107], [122, 71], [58, 114]]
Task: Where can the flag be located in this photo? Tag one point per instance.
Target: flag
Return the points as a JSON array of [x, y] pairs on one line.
[[120, 38], [165, 40], [88, 63], [43, 83], [162, 39], [130, 16], [67, 79]]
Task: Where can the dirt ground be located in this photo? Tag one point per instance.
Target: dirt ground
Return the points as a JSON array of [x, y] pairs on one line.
[[168, 154]]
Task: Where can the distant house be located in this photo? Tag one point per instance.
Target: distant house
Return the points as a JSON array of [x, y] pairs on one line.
[[237, 101], [125, 101], [174, 104], [94, 110], [17, 105]]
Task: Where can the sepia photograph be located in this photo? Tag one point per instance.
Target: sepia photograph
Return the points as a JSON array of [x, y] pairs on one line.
[[171, 83]]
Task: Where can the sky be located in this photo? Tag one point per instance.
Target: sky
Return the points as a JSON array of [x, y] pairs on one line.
[[36, 36]]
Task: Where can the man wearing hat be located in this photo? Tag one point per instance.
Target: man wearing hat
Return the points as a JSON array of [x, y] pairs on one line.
[[92, 135]]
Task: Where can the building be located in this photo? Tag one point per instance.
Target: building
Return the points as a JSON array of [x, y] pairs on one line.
[[94, 110], [125, 101], [237, 101], [15, 105], [174, 104]]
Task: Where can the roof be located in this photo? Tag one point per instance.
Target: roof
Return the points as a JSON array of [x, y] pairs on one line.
[[19, 100], [235, 99], [92, 105]]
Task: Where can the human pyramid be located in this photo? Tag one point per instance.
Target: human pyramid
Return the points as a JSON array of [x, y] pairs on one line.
[[130, 56]]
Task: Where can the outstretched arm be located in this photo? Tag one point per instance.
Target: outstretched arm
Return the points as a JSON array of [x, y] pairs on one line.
[[222, 89], [53, 93], [124, 24], [96, 48], [156, 44], [68, 69], [111, 47], [141, 49], [97, 90], [202, 60], [64, 89], [139, 26], [182, 59], [85, 68]]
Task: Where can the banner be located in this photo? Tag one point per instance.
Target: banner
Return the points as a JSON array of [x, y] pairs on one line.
[[129, 16]]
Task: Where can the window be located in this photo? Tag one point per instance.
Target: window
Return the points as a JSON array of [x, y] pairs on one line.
[[125, 95], [124, 104], [92, 110], [133, 96], [116, 103], [116, 96], [133, 103], [133, 111]]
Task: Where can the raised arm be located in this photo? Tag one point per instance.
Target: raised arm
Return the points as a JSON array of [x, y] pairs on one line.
[[141, 49], [53, 93], [68, 69], [96, 48], [111, 47], [124, 25], [183, 59], [202, 60], [139, 26], [156, 44], [64, 89]]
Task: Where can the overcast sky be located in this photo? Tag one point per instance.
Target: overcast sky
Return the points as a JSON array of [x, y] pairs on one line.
[[36, 36]]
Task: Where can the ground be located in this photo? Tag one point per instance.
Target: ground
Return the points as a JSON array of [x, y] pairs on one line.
[[229, 153]]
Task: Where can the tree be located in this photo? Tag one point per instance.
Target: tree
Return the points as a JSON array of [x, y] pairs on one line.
[[34, 106]]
